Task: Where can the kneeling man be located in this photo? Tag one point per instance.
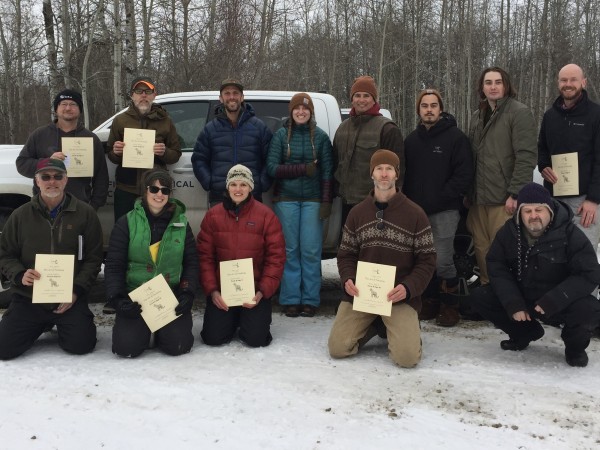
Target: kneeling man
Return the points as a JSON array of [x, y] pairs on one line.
[[385, 228], [541, 266]]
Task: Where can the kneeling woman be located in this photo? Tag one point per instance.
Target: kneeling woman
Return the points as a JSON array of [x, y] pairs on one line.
[[240, 227], [156, 221]]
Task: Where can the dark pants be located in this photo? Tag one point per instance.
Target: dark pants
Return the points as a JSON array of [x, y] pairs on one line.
[[131, 337], [254, 324], [123, 202], [579, 319], [24, 322]]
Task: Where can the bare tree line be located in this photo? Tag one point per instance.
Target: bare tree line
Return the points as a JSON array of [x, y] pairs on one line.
[[99, 46]]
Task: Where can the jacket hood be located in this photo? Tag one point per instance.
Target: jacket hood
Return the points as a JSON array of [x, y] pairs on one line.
[[157, 112], [246, 111], [580, 106], [446, 121], [562, 216]]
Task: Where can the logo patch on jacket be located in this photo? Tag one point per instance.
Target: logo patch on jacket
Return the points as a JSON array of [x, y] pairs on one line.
[[251, 224]]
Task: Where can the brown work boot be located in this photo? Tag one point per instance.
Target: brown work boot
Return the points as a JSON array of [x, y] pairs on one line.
[[448, 316], [430, 308]]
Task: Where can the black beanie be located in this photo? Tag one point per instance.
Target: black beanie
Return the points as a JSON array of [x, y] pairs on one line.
[[68, 94], [534, 194]]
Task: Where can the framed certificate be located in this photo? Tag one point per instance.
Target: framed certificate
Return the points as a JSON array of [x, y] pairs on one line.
[[158, 302], [566, 167], [374, 282], [139, 148], [56, 279], [80, 156], [237, 281]]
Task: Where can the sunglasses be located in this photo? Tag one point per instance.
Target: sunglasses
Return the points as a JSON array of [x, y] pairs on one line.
[[47, 177], [143, 91], [155, 189], [379, 216]]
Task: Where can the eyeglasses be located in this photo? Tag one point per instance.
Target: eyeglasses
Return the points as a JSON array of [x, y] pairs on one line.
[[67, 105], [155, 189], [379, 216], [143, 91], [47, 177]]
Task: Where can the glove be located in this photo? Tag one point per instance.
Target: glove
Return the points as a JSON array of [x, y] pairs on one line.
[[124, 307], [324, 211], [311, 169], [186, 301]]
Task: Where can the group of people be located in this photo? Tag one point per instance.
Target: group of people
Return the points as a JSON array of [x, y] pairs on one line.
[[536, 249]]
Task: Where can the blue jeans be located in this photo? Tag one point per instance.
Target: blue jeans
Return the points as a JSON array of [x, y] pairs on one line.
[[302, 229], [593, 231], [443, 228]]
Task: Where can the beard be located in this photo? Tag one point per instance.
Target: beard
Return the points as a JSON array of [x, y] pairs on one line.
[[570, 94], [535, 228]]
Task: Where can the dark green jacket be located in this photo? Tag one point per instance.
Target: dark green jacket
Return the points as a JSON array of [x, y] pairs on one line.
[[504, 151], [29, 230]]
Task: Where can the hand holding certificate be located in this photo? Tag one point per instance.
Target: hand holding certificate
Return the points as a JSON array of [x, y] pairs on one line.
[[55, 284], [158, 302], [139, 148], [374, 282], [79, 153], [237, 281], [566, 167]]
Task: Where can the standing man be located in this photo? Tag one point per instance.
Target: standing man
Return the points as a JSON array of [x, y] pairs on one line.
[[142, 113], [503, 141], [541, 267], [439, 173], [46, 142], [572, 125], [357, 138], [234, 136], [53, 222], [385, 228]]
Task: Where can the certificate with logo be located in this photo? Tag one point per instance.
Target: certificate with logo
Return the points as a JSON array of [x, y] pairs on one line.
[[158, 302], [566, 167], [56, 279], [139, 148], [237, 281], [80, 156], [374, 282]]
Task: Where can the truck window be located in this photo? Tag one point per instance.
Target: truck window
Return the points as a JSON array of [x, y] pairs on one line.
[[272, 113], [189, 119]]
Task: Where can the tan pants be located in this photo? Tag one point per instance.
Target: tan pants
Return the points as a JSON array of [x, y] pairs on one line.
[[403, 333], [483, 222]]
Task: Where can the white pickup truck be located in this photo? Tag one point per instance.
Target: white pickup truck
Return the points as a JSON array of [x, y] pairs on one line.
[[190, 111]]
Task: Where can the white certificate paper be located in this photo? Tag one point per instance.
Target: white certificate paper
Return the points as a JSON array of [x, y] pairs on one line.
[[566, 167], [56, 279], [374, 282], [80, 156], [237, 281], [158, 302], [139, 148]]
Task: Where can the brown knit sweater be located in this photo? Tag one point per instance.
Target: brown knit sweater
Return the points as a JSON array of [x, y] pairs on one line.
[[405, 242]]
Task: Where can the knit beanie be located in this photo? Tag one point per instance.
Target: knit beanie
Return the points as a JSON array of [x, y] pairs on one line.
[[382, 156], [153, 175], [302, 98], [68, 94], [425, 92], [240, 173], [534, 194], [364, 84]]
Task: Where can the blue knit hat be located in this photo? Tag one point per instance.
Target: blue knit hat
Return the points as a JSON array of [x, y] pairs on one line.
[[534, 194]]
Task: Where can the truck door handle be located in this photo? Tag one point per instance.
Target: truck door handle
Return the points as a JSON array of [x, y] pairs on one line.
[[184, 169]]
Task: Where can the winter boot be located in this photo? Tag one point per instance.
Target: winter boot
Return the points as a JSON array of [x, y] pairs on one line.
[[449, 314], [430, 308]]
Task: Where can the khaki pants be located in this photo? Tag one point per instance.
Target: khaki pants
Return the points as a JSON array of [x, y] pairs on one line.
[[403, 333], [483, 222]]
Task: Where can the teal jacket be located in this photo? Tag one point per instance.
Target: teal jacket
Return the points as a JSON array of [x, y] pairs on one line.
[[292, 166]]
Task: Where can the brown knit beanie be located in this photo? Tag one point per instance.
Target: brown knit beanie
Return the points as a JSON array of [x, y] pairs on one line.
[[364, 84], [382, 156], [302, 98], [425, 92]]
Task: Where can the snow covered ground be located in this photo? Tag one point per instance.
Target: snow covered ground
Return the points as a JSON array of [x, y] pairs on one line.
[[465, 394]]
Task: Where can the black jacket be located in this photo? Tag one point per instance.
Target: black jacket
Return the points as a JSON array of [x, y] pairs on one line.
[[439, 166], [558, 269], [573, 130]]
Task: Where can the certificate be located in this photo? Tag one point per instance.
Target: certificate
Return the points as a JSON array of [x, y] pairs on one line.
[[80, 156], [374, 282], [139, 148], [158, 302], [56, 279], [566, 166], [237, 281]]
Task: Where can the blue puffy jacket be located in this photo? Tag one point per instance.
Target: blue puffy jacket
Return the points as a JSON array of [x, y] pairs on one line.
[[220, 146]]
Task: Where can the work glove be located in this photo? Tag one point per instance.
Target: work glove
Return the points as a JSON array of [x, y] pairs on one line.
[[324, 211], [186, 301], [311, 169], [124, 307]]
